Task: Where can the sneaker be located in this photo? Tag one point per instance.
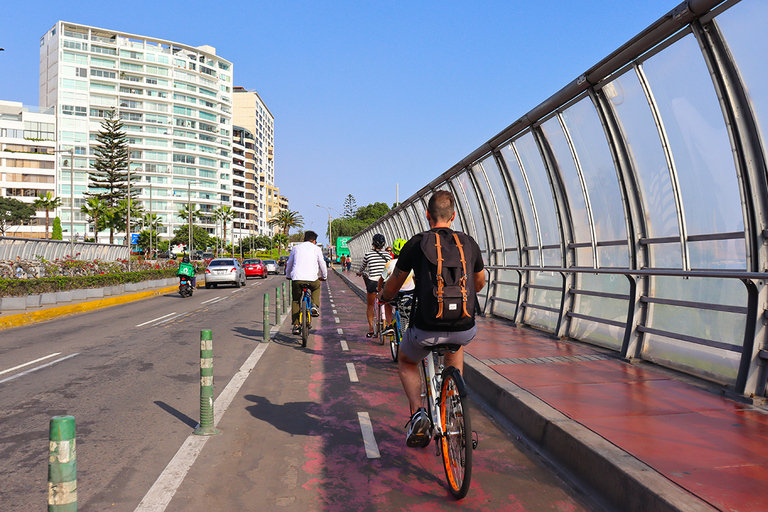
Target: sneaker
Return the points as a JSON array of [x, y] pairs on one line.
[[389, 330], [315, 311], [296, 329], [419, 426]]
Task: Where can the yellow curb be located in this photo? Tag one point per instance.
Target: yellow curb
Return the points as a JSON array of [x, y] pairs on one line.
[[71, 309]]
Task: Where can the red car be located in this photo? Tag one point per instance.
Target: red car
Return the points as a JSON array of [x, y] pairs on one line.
[[255, 268]]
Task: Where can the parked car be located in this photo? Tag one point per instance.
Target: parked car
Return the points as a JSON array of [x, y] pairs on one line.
[[224, 271], [255, 268], [207, 257], [271, 266], [164, 254]]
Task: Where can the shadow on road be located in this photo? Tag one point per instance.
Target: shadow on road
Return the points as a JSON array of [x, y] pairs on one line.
[[177, 414], [294, 418]]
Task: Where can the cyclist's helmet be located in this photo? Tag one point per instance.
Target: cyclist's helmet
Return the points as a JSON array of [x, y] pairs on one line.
[[378, 241], [397, 245]]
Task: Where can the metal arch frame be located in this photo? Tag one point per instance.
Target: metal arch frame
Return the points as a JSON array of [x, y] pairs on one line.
[[565, 221], [496, 240], [634, 217], [674, 177], [528, 191], [499, 243], [523, 237], [751, 167], [465, 219]]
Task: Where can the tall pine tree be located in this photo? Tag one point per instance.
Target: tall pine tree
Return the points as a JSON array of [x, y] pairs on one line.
[[108, 178]]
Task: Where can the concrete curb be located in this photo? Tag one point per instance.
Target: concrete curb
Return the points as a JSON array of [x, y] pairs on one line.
[[617, 475], [71, 309]]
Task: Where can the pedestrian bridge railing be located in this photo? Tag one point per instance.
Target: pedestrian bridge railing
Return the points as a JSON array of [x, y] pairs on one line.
[[33, 249]]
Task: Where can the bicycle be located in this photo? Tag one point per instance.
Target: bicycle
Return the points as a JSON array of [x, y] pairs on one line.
[[305, 314], [378, 320], [401, 307], [449, 413]]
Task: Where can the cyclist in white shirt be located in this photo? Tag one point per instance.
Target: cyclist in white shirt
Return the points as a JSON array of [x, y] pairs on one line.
[[303, 267]]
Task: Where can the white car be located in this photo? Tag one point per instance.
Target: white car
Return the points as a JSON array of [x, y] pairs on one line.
[[224, 271], [271, 266]]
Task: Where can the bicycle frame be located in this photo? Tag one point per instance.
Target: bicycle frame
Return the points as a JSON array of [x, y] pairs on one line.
[[432, 378]]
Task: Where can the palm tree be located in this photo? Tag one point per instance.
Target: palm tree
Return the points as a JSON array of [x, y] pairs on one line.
[[47, 202], [183, 213], [94, 208], [224, 215], [287, 219]]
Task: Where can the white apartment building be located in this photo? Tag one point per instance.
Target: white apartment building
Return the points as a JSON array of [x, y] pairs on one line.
[[27, 166], [175, 102], [252, 114]]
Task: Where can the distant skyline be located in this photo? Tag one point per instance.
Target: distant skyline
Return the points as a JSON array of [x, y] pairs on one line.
[[366, 95]]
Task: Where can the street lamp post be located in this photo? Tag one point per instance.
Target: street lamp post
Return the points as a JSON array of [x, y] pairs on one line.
[[71, 152], [330, 234], [189, 216]]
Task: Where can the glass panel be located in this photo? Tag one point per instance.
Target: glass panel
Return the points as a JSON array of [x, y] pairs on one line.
[[596, 162], [567, 167], [415, 217], [547, 298], [420, 216], [486, 196], [521, 193], [608, 336], [544, 204], [459, 223], [503, 208], [700, 146], [638, 128], [716, 364], [743, 27], [464, 182]]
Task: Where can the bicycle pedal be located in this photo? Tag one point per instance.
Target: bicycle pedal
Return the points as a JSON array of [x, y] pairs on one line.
[[475, 439]]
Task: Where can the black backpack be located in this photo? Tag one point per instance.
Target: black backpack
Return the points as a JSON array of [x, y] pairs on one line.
[[446, 287]]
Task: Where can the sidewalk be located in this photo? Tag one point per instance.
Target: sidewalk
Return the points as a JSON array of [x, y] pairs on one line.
[[645, 439]]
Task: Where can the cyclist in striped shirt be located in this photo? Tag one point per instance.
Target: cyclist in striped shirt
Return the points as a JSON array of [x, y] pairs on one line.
[[373, 265]]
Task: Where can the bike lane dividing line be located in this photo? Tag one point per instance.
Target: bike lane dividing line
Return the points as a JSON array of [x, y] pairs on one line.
[[371, 448], [156, 319], [352, 373], [344, 345], [160, 494]]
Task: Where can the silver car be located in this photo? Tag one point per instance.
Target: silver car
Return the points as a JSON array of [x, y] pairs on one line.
[[271, 266], [224, 271]]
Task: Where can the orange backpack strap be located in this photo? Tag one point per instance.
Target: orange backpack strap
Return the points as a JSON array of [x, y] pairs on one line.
[[464, 276], [440, 280]]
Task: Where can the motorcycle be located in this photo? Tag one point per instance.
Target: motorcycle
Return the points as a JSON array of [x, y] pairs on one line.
[[185, 286]]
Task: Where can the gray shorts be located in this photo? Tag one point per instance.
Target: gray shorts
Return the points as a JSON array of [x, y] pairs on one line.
[[415, 344]]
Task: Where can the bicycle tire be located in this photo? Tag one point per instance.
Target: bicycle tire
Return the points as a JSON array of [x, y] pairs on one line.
[[304, 319], [394, 340], [456, 442]]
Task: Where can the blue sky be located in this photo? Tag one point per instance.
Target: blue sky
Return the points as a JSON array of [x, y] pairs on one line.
[[366, 95]]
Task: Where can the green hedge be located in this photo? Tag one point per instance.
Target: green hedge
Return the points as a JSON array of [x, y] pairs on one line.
[[23, 287]]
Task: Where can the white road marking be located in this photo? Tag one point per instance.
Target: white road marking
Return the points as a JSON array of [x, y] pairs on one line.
[[344, 345], [159, 496], [29, 363], [352, 373], [213, 299], [340, 330], [156, 319], [46, 365], [336, 319], [371, 448], [335, 312]]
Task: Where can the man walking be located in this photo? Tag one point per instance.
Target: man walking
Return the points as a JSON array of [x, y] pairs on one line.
[[434, 320]]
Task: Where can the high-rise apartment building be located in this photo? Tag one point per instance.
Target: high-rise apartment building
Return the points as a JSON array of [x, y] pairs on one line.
[[175, 102], [27, 166], [252, 114], [244, 185]]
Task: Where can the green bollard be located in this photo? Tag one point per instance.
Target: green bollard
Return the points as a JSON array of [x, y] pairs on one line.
[[206, 427], [62, 465], [266, 318], [285, 297], [278, 308]]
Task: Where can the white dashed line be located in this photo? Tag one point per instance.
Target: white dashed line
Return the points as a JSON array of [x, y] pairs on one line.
[[336, 319], [344, 346], [352, 373], [156, 319], [31, 362], [335, 312], [371, 448], [340, 330], [46, 365]]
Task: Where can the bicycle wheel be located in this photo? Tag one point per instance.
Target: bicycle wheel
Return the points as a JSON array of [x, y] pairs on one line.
[[456, 442], [304, 317], [394, 341]]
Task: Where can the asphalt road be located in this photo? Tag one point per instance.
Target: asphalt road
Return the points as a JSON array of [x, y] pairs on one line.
[[291, 438]]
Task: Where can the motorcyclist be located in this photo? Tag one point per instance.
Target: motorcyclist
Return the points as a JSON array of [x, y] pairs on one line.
[[187, 269]]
